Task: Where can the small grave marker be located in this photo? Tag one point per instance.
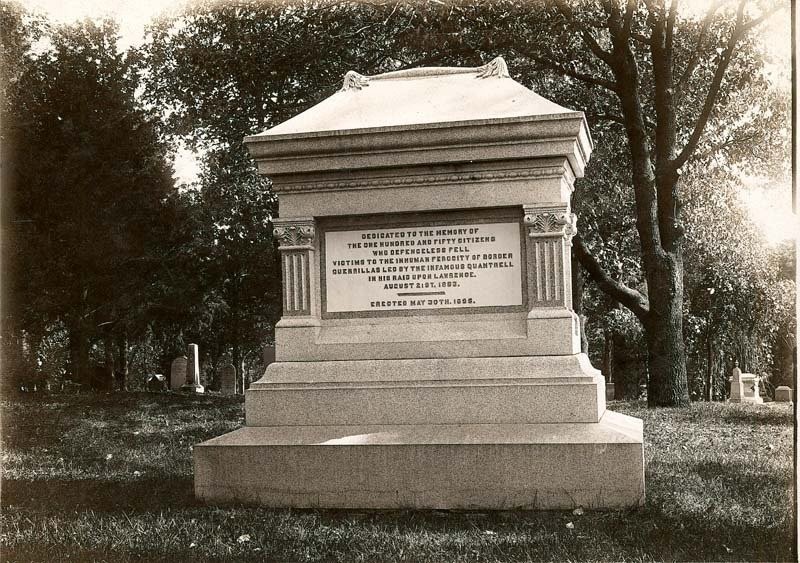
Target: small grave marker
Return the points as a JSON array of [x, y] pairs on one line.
[[177, 375], [228, 380], [783, 394]]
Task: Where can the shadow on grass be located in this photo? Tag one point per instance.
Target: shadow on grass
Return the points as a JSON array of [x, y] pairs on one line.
[[762, 415], [69, 495]]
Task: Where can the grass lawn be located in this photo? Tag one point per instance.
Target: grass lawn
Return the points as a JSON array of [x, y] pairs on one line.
[[108, 477]]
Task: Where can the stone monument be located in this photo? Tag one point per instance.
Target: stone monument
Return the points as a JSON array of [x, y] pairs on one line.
[[192, 384], [428, 355], [177, 373], [744, 387]]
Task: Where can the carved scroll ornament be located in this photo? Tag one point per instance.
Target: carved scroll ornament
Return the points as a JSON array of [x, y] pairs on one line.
[[294, 234], [551, 223]]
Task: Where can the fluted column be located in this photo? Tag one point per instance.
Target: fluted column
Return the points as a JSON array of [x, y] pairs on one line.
[[296, 245], [550, 229]]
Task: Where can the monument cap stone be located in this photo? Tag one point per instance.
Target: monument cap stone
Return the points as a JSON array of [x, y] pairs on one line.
[[436, 115]]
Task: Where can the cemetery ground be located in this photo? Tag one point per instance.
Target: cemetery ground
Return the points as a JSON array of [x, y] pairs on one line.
[[108, 477]]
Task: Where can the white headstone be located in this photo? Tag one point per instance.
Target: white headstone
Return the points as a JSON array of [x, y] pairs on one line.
[[744, 387], [737, 390], [193, 371], [177, 374], [228, 380], [750, 386]]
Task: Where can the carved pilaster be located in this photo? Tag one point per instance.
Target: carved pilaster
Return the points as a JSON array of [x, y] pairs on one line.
[[550, 230], [296, 243]]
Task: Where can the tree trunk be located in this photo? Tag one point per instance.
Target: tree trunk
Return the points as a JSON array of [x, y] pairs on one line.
[[108, 352], [608, 349], [236, 360], [79, 354], [577, 301], [625, 360], [122, 359], [13, 356], [709, 367], [667, 385]]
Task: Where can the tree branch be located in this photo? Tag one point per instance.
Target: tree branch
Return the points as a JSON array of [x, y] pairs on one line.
[[626, 73], [694, 58], [630, 298], [739, 30], [722, 145], [628, 19], [665, 132], [673, 12], [588, 78], [608, 117], [587, 37]]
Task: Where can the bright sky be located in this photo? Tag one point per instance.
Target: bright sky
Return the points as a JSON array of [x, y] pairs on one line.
[[132, 15], [770, 208]]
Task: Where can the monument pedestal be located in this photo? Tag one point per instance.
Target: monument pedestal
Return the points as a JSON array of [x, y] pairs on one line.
[[428, 354], [437, 466]]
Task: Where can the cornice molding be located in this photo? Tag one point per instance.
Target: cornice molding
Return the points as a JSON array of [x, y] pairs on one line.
[[424, 180]]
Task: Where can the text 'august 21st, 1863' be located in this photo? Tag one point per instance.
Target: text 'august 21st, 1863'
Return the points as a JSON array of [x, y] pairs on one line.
[[430, 267]]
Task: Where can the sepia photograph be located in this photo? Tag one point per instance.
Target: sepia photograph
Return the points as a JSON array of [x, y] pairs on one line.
[[398, 281]]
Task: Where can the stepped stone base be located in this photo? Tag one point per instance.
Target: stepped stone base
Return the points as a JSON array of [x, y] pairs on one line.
[[429, 466], [526, 389]]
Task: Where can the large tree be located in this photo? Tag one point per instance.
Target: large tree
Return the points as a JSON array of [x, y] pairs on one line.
[[674, 83], [86, 179]]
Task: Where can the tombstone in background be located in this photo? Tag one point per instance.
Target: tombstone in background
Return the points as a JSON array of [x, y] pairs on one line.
[[744, 387], [177, 373], [783, 394], [156, 383], [192, 384], [428, 355], [750, 384], [737, 388], [227, 385]]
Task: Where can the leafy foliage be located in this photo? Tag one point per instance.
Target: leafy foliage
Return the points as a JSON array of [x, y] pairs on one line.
[[86, 183]]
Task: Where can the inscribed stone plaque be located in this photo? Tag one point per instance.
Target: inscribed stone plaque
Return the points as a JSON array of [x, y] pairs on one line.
[[426, 267], [177, 375]]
